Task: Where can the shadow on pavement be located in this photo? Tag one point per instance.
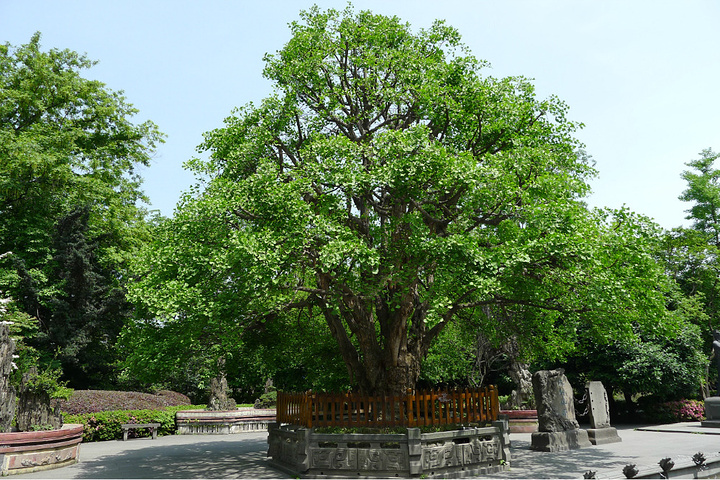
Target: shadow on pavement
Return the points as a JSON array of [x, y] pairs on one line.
[[233, 459], [526, 463]]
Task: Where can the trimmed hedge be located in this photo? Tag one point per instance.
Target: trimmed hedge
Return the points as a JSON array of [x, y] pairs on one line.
[[89, 401], [100, 426]]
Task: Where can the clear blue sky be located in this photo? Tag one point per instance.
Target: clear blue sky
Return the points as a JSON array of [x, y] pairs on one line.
[[643, 76]]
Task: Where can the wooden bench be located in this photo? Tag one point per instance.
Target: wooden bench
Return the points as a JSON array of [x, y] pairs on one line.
[[133, 426]]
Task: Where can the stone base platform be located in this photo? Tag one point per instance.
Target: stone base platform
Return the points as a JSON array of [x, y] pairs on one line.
[[602, 436], [559, 441], [462, 453]]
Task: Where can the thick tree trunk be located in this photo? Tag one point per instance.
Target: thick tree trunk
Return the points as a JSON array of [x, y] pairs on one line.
[[383, 358]]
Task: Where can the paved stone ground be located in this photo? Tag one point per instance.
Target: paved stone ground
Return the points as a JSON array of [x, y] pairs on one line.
[[243, 455], [640, 445], [175, 456]]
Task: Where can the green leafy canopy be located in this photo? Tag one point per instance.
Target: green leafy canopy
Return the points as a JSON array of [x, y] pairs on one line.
[[390, 186], [70, 201]]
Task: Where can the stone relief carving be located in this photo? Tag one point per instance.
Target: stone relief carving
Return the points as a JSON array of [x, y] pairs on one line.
[[288, 450], [335, 458], [382, 459], [373, 459], [35, 460], [442, 456], [480, 450]]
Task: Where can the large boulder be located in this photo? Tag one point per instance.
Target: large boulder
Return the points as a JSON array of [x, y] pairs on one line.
[[557, 425], [554, 400], [219, 395], [34, 411]]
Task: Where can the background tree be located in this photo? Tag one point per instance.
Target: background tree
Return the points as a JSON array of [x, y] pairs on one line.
[[389, 187], [661, 365], [655, 366], [68, 202], [691, 254], [704, 191]]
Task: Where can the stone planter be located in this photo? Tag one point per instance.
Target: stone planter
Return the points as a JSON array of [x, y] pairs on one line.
[[457, 453], [223, 422], [24, 452], [521, 421]]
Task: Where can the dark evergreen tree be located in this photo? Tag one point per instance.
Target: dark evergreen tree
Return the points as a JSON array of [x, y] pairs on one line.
[[79, 324]]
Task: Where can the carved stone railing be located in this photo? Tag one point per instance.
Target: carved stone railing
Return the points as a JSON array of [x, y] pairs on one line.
[[221, 422], [456, 453]]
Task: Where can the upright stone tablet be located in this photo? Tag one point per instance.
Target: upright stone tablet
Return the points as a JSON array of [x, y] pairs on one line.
[[599, 406], [600, 431]]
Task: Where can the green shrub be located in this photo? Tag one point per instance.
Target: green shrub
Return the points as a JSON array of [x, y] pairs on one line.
[[100, 426], [267, 400]]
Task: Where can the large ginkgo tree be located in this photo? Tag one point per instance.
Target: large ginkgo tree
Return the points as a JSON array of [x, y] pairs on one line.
[[390, 187]]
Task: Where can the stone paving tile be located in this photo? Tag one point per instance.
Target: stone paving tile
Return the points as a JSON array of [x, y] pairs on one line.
[[178, 456], [243, 456]]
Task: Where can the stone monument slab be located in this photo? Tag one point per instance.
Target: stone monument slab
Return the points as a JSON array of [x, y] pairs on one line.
[[557, 425], [599, 405], [555, 402], [600, 431]]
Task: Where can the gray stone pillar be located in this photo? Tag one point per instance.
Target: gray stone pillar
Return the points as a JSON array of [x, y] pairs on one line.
[[302, 460], [414, 451], [712, 404], [504, 426]]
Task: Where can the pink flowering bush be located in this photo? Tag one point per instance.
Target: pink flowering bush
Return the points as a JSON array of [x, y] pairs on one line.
[[677, 411]]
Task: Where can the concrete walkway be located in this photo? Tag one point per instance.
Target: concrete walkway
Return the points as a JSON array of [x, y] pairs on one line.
[[174, 456], [643, 446], [243, 455]]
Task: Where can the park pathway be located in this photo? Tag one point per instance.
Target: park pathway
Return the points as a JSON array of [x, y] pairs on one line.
[[243, 456], [174, 456]]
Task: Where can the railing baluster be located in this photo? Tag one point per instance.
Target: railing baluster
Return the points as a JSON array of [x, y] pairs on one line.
[[429, 408], [461, 406]]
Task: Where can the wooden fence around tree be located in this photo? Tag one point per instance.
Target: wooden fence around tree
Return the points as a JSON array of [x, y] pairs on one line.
[[416, 409]]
